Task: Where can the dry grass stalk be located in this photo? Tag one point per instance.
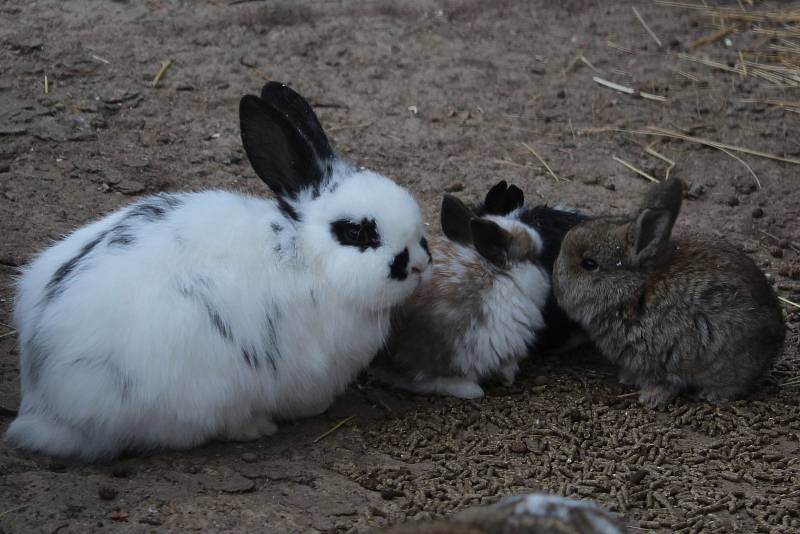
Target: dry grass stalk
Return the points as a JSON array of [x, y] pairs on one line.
[[743, 162], [546, 166], [46, 85], [714, 144], [662, 157], [789, 302], [774, 63], [646, 27], [8, 334], [709, 39], [628, 90], [634, 169], [588, 63], [333, 429], [619, 47], [662, 132], [776, 238], [788, 16], [614, 86], [164, 66]]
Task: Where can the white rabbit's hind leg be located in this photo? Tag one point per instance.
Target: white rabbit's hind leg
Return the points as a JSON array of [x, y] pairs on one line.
[[40, 433]]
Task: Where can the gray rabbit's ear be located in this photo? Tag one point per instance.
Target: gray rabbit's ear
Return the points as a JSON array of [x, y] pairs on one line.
[[455, 220], [666, 195], [653, 227], [651, 233]]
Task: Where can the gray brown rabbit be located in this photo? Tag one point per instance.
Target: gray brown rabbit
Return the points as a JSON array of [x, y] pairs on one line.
[[685, 313]]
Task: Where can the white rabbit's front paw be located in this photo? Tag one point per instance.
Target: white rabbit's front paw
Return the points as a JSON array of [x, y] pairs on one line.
[[251, 430]]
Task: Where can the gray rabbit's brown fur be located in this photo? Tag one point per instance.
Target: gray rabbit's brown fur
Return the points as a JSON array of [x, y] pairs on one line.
[[674, 314]]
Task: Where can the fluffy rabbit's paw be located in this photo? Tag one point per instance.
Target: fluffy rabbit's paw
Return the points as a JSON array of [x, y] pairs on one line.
[[461, 388]]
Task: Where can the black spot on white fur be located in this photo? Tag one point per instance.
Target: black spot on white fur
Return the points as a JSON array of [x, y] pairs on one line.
[[58, 281], [398, 270], [150, 210], [197, 291], [287, 209], [37, 357]]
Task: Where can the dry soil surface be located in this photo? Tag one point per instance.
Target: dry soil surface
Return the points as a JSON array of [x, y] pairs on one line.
[[441, 96]]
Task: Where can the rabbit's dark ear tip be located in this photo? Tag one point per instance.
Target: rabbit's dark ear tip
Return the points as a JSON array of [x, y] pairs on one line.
[[248, 103], [673, 183], [274, 90]]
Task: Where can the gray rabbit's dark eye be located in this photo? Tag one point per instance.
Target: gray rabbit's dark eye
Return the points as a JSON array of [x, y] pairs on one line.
[[589, 264]]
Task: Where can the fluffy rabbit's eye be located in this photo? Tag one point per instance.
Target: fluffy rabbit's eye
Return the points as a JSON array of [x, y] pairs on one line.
[[589, 264], [363, 234], [424, 244]]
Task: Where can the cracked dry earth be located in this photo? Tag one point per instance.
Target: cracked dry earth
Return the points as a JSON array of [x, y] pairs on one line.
[[439, 95]]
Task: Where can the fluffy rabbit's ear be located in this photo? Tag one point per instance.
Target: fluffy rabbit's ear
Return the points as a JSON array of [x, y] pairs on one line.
[[515, 198], [456, 217], [284, 140], [490, 240], [502, 199], [496, 199], [653, 226]]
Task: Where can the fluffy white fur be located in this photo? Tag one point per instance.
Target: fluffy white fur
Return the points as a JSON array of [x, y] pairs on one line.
[[513, 310], [127, 354]]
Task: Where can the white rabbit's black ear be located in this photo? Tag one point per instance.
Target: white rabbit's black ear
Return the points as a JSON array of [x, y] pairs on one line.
[[284, 140], [490, 240], [300, 114], [456, 217]]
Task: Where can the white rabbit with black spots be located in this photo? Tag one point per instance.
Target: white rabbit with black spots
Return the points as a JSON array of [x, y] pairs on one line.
[[187, 317]]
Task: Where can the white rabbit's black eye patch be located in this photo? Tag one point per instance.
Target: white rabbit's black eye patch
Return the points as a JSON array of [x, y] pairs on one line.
[[398, 269], [362, 234]]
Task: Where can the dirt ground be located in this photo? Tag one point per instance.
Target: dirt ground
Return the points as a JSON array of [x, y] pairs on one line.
[[439, 95]]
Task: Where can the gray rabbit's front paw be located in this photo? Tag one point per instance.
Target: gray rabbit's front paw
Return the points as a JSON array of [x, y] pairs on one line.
[[656, 396]]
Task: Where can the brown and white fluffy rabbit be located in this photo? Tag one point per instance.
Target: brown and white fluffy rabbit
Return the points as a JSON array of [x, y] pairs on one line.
[[479, 313], [522, 514], [683, 313]]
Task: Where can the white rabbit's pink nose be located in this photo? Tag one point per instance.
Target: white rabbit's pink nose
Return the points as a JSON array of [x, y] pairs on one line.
[[419, 268]]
